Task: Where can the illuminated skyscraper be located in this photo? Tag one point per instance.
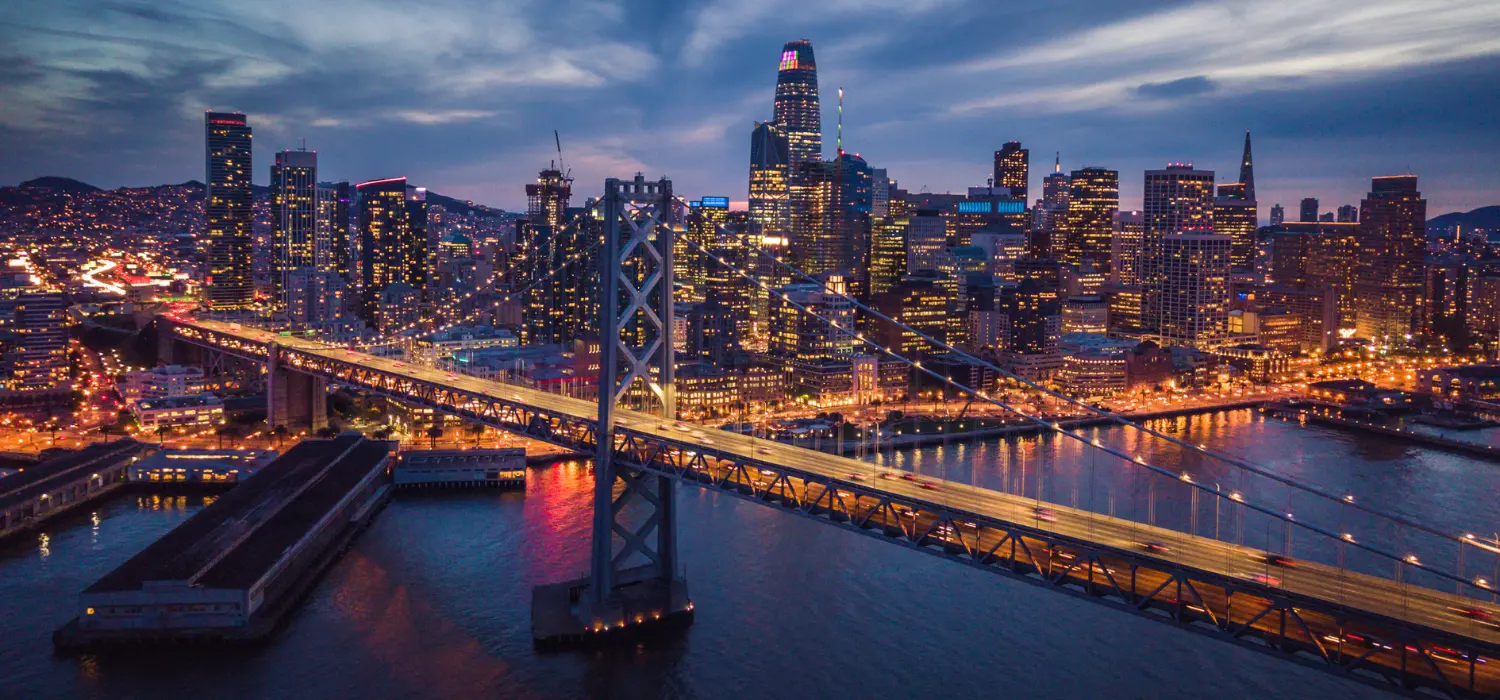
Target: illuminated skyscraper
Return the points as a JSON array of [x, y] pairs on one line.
[[1093, 201], [770, 163], [1278, 214], [294, 220], [797, 109], [831, 214], [1236, 217], [547, 200], [1194, 303], [335, 251], [1392, 230], [1178, 199], [1125, 249], [887, 254], [1013, 168], [556, 308], [230, 284], [393, 242]]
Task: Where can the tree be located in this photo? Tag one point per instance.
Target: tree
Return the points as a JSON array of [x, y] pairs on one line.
[[383, 432], [221, 432], [279, 432], [161, 434], [434, 433], [477, 430], [326, 432], [108, 428]]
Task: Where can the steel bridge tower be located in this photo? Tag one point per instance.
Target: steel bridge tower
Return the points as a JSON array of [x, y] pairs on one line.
[[635, 581]]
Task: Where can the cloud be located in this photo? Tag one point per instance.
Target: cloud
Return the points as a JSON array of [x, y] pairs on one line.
[[1182, 87], [417, 116], [1237, 46]]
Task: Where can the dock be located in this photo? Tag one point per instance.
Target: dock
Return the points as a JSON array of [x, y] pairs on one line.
[[1325, 415], [44, 491], [234, 570]]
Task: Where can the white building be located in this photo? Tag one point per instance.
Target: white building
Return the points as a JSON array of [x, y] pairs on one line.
[[199, 409], [162, 382]]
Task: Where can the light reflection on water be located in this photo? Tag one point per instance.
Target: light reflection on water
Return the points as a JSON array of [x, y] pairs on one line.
[[433, 601]]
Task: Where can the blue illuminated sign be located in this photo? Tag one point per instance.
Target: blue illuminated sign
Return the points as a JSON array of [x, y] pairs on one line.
[[975, 207], [1010, 207], [716, 202]]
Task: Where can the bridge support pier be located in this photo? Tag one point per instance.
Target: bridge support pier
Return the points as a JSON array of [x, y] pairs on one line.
[[293, 399], [635, 584]]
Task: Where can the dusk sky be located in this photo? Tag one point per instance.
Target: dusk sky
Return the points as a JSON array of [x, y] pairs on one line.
[[462, 96]]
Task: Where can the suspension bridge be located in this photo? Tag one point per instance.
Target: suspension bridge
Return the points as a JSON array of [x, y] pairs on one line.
[[1417, 620]]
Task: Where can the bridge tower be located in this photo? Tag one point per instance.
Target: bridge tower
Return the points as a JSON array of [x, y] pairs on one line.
[[635, 581]]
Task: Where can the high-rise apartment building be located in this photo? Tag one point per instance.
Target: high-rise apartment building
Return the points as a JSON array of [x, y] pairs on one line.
[[1093, 202], [1178, 199], [1126, 247], [1392, 231], [230, 284], [1013, 168], [294, 220], [393, 243], [1348, 214], [35, 360], [1193, 303], [1278, 214], [547, 198], [770, 173], [1309, 209], [335, 250], [797, 110]]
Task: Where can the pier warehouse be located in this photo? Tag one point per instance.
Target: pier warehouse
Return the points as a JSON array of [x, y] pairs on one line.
[[233, 569]]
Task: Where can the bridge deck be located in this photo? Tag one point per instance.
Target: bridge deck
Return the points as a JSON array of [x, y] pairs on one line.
[[1356, 593]]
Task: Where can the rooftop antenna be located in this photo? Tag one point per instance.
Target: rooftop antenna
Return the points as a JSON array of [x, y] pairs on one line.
[[840, 141], [1057, 165]]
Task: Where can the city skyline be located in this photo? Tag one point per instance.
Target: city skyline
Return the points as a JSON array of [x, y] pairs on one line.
[[1327, 114]]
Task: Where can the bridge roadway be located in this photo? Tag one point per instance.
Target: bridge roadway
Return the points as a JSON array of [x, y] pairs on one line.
[[1404, 635]]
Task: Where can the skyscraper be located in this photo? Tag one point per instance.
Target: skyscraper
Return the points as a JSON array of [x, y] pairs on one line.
[[393, 242], [1236, 217], [1278, 214], [797, 109], [547, 199], [294, 220], [1392, 230], [1125, 249], [1177, 199], [1348, 214], [333, 230], [1247, 171], [230, 284], [1309, 209], [831, 214], [1013, 168], [1092, 204], [1193, 305], [770, 163]]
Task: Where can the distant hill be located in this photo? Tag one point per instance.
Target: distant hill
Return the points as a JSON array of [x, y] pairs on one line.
[[32, 190], [1483, 217], [61, 184]]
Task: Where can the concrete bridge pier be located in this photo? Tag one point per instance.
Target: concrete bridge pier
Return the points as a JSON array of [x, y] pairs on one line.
[[294, 399]]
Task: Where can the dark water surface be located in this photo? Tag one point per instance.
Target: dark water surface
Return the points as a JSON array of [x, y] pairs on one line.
[[433, 601]]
